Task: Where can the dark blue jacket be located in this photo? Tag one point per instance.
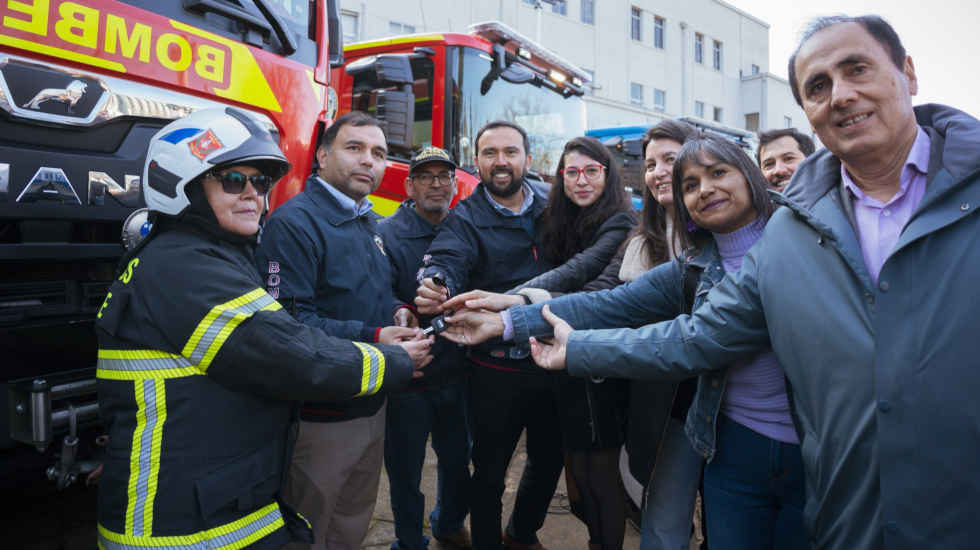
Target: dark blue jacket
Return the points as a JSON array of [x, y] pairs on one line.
[[407, 236], [328, 268], [480, 248]]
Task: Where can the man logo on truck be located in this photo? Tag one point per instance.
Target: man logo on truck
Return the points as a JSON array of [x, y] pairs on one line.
[[70, 95], [86, 34]]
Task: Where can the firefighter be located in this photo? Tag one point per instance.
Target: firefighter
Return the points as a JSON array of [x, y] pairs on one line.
[[197, 364]]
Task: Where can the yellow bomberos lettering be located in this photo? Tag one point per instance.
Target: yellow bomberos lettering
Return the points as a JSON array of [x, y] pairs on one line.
[[78, 24], [163, 52], [210, 63], [37, 12], [115, 33], [103, 306], [128, 273], [225, 62]]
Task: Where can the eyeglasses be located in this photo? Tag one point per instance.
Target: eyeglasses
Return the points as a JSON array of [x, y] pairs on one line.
[[592, 172], [234, 182], [428, 179]]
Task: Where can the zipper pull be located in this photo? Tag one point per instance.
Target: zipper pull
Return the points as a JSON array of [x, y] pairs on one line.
[[534, 250]]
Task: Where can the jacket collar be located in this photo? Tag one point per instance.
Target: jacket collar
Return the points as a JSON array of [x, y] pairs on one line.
[[815, 194], [955, 151], [487, 215], [703, 258], [410, 223], [334, 212]]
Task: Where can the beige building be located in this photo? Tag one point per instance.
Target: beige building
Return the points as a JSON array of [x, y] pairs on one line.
[[650, 59]]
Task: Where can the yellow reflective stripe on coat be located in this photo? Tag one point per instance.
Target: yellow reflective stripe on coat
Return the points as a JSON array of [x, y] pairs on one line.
[[219, 323], [144, 457], [237, 534], [143, 364], [373, 369]]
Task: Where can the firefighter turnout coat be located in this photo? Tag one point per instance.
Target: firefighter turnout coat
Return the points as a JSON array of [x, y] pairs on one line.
[[196, 367]]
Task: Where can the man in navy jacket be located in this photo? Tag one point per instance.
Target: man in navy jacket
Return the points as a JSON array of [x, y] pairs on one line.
[[491, 242], [325, 262]]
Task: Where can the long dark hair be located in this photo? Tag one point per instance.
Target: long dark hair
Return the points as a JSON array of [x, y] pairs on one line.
[[706, 150], [567, 228], [653, 222]]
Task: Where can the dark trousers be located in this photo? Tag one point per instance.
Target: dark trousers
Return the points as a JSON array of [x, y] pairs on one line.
[[503, 404], [753, 492], [412, 416]]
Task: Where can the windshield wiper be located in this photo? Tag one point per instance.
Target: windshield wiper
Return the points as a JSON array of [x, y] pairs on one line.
[[272, 23], [285, 36]]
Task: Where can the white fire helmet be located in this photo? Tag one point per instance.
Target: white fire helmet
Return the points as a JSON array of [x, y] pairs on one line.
[[199, 142]]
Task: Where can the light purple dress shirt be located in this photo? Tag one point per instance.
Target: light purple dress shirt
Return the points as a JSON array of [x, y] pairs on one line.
[[879, 225]]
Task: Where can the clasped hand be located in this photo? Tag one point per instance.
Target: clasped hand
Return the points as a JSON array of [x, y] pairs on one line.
[[474, 317]]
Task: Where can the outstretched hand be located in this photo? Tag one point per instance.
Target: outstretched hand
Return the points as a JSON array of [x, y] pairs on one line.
[[471, 327], [551, 355], [481, 299]]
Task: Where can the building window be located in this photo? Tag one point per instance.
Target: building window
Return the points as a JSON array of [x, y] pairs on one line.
[[395, 27], [788, 122], [659, 100], [752, 122], [636, 93], [559, 7], [659, 28], [588, 11], [716, 58], [717, 114], [699, 109], [635, 14], [755, 69], [349, 26], [699, 48]]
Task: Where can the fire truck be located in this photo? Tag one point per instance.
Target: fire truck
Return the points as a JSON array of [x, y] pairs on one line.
[[84, 85], [439, 89]]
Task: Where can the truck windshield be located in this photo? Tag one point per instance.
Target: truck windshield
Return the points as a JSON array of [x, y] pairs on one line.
[[549, 118]]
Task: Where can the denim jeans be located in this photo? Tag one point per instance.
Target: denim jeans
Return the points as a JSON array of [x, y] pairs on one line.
[[753, 492], [412, 416], [671, 494]]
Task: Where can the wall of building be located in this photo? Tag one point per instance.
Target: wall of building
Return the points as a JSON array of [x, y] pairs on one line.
[[606, 49]]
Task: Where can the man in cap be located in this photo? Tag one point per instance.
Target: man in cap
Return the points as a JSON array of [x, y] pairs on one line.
[[434, 404]]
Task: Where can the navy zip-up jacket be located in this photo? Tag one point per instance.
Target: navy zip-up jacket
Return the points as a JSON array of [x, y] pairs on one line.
[[328, 268], [480, 248], [407, 236]]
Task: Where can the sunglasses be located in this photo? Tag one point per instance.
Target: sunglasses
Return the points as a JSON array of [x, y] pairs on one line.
[[234, 182]]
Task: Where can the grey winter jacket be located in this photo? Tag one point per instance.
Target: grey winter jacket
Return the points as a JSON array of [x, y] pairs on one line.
[[884, 380]]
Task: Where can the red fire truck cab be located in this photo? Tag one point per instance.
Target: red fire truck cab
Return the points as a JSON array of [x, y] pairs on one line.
[[439, 89], [84, 85]]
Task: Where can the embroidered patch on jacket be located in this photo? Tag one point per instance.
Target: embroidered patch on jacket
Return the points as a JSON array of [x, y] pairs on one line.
[[380, 243], [204, 145]]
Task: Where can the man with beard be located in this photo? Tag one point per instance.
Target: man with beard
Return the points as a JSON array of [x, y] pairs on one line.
[[780, 152], [490, 242], [435, 403], [324, 261]]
